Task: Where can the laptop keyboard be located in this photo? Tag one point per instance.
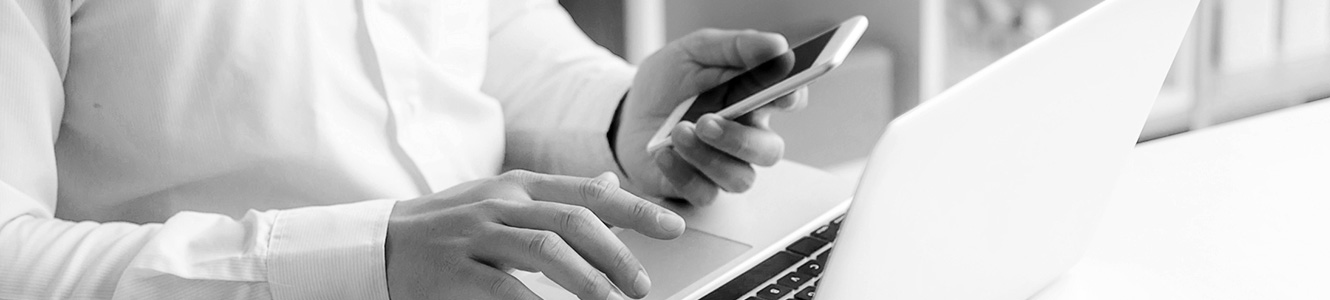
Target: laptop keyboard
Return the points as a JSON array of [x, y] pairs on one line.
[[789, 274]]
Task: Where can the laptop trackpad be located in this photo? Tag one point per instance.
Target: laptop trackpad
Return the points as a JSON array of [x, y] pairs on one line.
[[672, 264], [675, 264]]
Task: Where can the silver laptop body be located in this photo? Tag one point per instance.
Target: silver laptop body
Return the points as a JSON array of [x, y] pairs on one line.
[[988, 191]]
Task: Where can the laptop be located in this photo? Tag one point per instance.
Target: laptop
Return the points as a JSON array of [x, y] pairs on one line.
[[989, 190]]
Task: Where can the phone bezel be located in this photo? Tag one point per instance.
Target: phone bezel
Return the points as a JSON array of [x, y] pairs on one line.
[[846, 36]]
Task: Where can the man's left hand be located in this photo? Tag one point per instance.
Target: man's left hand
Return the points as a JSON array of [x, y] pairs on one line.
[[714, 154]]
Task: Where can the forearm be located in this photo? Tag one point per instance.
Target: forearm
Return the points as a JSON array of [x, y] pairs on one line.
[[289, 254], [44, 258]]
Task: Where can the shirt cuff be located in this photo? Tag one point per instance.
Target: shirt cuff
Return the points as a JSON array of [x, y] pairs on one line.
[[330, 252]]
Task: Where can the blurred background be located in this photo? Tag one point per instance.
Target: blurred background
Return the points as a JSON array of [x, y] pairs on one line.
[[1240, 58]]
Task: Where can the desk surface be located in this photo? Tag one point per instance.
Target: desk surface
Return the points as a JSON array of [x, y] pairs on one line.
[[1236, 211]]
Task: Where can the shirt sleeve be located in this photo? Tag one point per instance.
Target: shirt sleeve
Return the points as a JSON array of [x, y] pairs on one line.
[[559, 90], [306, 253]]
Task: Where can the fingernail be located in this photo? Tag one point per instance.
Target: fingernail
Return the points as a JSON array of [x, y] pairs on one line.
[[609, 176], [642, 284], [670, 222], [613, 296], [707, 127]]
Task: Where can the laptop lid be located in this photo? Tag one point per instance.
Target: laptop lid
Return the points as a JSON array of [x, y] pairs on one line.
[[992, 189]]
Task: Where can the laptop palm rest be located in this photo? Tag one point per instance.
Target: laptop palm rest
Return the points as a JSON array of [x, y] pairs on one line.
[[672, 265], [734, 229]]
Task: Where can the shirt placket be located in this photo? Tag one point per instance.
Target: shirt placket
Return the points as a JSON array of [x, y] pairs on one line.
[[401, 91]]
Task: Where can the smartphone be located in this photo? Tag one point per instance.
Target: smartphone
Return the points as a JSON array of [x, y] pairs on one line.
[[769, 80]]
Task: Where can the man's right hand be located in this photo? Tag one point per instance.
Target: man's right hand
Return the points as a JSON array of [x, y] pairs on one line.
[[460, 243]]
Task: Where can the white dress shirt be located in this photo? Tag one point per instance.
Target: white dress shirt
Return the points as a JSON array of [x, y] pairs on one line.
[[215, 149]]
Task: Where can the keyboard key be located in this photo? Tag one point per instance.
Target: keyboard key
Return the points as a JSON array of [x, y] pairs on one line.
[[811, 267], [827, 232], [805, 294], [806, 246], [753, 278], [753, 298], [838, 220], [794, 280], [823, 257], [773, 292]]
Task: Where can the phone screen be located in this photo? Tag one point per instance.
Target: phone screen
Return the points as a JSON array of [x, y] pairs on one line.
[[758, 78]]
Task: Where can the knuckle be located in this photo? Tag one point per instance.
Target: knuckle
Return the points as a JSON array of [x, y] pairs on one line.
[[598, 190], [518, 175], [744, 146], [701, 154], [491, 204], [501, 285], [547, 243], [591, 282], [711, 157], [624, 260], [577, 218], [470, 233], [642, 209]]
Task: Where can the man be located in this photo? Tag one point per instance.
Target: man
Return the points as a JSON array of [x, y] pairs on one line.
[[358, 149]]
